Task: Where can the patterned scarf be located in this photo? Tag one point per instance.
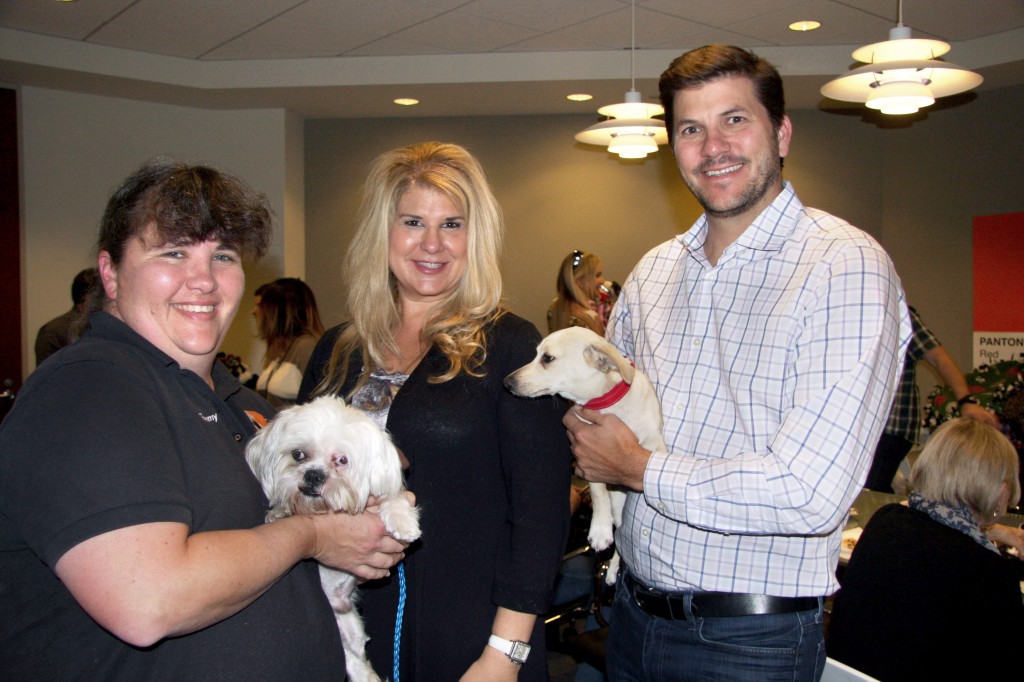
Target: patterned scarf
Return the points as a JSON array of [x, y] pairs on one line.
[[958, 518]]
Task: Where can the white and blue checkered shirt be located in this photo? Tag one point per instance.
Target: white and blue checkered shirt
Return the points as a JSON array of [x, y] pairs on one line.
[[775, 369]]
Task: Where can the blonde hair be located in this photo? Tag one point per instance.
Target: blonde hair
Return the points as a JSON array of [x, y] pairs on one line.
[[456, 324], [576, 265], [966, 462]]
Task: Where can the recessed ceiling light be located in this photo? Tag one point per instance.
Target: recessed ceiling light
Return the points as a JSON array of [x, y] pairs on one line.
[[406, 101], [579, 97], [808, 25]]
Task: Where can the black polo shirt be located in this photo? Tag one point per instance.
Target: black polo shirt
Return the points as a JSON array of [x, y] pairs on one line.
[[111, 433]]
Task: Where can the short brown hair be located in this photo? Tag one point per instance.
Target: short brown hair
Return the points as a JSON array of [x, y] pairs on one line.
[[712, 62], [187, 204]]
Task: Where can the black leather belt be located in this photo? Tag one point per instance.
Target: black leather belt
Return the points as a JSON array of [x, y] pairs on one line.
[[711, 604]]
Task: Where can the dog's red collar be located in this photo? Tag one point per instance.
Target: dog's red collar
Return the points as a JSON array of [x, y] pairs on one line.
[[608, 399]]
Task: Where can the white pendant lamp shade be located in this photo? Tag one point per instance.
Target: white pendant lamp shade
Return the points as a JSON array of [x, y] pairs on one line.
[[900, 97], [631, 130], [631, 133], [902, 75]]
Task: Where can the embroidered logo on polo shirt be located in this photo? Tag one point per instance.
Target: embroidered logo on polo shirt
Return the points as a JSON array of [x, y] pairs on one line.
[[211, 418], [258, 420]]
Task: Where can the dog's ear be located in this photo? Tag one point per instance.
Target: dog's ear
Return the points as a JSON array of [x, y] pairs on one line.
[[603, 356]]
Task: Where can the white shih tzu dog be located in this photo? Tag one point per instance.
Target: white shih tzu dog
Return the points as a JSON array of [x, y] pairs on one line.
[[325, 456]]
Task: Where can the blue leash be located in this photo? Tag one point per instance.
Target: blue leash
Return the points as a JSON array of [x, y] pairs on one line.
[[398, 617]]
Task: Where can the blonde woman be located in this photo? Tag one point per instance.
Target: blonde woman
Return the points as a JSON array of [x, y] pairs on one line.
[[926, 591], [580, 277], [425, 353]]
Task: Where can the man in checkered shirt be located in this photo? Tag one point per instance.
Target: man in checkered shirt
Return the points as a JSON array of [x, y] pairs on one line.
[[774, 335]]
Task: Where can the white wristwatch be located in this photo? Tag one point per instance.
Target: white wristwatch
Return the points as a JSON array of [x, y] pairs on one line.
[[517, 652]]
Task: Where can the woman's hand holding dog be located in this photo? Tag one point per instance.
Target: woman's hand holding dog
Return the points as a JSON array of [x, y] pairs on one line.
[[606, 450], [357, 543]]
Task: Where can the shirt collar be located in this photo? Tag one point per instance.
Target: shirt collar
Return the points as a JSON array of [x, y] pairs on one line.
[[768, 232], [103, 325]]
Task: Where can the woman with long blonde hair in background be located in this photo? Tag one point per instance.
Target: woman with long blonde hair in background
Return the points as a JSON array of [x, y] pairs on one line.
[[580, 277]]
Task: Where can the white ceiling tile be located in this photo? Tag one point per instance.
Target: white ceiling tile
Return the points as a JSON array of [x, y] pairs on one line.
[[542, 15], [62, 19], [186, 28], [457, 32]]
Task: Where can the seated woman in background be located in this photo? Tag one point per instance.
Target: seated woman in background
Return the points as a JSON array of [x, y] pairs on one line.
[[927, 593], [579, 279], [288, 320]]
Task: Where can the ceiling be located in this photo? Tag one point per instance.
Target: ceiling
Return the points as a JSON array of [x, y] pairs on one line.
[[351, 58]]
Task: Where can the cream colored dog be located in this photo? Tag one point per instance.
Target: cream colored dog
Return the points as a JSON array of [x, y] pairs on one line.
[[579, 365], [325, 456]]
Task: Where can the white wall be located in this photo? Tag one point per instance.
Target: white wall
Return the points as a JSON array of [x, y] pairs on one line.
[[75, 149]]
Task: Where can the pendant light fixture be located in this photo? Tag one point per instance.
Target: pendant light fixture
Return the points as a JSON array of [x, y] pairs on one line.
[[630, 131], [902, 74]]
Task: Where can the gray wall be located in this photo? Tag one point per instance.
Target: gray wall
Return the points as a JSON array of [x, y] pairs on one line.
[[914, 187], [76, 148]]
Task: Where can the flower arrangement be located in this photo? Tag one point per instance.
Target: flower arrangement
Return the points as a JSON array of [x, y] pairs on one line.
[[998, 387]]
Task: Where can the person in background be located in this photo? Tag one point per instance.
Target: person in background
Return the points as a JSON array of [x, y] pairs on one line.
[[773, 334], [425, 354], [288, 321], [579, 278], [927, 594], [901, 430], [132, 536], [607, 294], [59, 331]]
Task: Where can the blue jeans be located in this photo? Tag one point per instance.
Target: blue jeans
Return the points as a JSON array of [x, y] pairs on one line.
[[787, 646]]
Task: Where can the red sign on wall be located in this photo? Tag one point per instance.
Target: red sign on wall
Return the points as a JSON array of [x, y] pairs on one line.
[[998, 288]]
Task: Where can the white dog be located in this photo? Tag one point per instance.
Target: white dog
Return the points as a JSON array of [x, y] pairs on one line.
[[326, 456], [579, 365]]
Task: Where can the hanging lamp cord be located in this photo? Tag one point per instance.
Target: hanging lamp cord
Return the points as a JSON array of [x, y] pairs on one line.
[[398, 620], [632, 48]]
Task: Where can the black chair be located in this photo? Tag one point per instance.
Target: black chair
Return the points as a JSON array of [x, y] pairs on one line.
[[566, 623]]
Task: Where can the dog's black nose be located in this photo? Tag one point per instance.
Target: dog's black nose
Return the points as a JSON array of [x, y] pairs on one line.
[[314, 479]]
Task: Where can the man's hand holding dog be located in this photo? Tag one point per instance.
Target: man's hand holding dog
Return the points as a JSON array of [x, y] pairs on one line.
[[357, 543], [606, 450]]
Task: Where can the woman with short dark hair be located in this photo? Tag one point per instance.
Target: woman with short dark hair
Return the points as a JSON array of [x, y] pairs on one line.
[[132, 536]]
